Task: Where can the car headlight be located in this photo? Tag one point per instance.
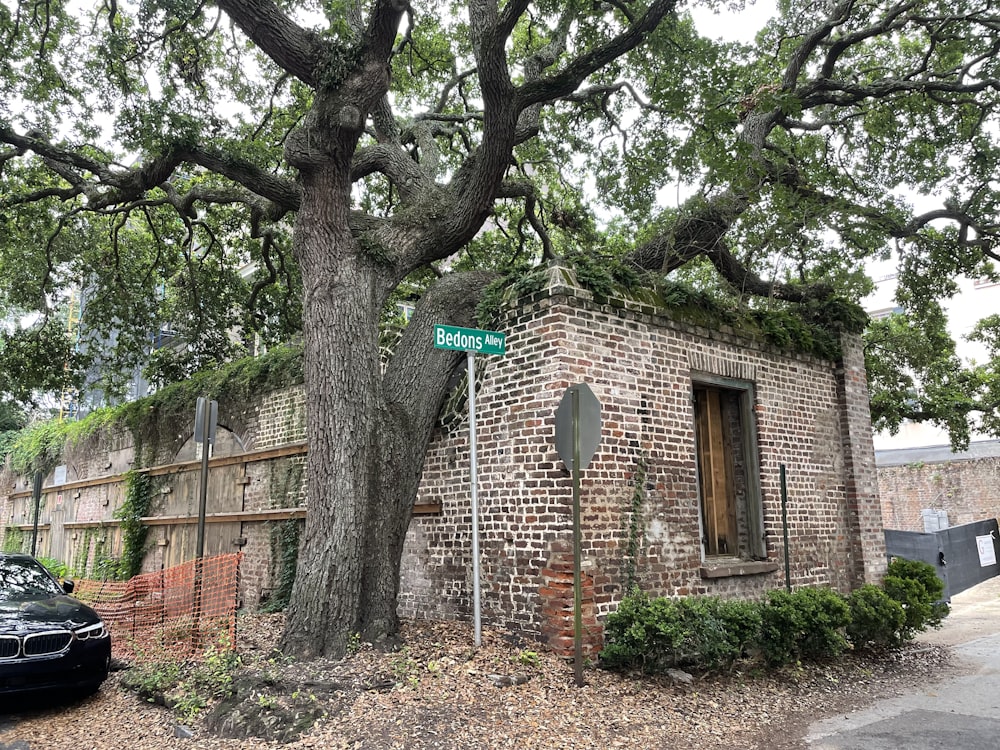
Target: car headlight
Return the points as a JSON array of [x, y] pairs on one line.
[[97, 630]]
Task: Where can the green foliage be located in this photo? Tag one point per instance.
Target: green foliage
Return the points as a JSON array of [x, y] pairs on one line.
[[660, 634], [633, 535], [805, 624], [104, 567], [916, 587], [12, 418], [812, 327], [55, 567], [914, 373], [527, 658], [808, 624], [186, 688], [151, 679], [285, 557], [137, 504], [15, 539], [39, 447], [167, 411], [877, 620], [171, 407]]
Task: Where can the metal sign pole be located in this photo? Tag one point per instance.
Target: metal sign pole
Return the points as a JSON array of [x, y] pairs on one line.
[[577, 541], [36, 496], [474, 481], [203, 419], [784, 527]]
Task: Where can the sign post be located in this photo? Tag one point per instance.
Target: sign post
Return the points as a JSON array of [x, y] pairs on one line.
[[205, 418], [578, 431], [472, 341]]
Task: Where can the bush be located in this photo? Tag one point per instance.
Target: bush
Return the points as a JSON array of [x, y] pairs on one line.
[[56, 567], [717, 632], [809, 624], [916, 587], [642, 632], [806, 624], [877, 619], [697, 632]]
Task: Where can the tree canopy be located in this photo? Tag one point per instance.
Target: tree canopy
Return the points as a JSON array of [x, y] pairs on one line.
[[274, 167]]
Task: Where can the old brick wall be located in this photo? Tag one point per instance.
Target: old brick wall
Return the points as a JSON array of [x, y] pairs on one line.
[[640, 366], [640, 504], [968, 490]]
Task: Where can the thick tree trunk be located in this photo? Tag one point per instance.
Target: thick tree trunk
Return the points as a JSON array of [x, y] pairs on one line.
[[367, 432], [342, 381], [396, 484]]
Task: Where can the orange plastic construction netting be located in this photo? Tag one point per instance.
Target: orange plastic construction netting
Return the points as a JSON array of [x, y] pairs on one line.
[[178, 613]]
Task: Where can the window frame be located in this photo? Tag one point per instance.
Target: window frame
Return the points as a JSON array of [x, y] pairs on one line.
[[747, 398]]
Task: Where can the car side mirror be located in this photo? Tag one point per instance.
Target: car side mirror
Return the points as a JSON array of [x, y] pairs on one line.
[[68, 586]]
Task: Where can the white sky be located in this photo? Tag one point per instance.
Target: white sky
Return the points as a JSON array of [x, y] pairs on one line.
[[730, 25]]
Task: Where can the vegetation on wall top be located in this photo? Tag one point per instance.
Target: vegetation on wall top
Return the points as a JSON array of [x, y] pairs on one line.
[[810, 327], [168, 411]]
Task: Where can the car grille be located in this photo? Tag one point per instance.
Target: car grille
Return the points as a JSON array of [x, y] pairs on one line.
[[10, 646], [35, 645], [42, 644]]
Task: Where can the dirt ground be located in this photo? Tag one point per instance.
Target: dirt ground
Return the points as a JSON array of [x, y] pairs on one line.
[[440, 692]]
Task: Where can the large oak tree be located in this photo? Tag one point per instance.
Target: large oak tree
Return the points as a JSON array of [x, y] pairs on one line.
[[352, 148]]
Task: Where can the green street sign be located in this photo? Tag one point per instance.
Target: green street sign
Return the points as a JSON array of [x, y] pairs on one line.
[[469, 340]]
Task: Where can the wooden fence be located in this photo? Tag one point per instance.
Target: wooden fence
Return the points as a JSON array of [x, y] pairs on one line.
[[78, 523]]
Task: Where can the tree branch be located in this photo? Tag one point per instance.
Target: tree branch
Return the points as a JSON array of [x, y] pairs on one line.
[[567, 80], [292, 48]]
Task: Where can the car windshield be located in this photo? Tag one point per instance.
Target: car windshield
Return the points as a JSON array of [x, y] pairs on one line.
[[23, 579]]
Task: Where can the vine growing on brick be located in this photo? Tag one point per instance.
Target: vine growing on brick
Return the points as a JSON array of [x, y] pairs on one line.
[[810, 327]]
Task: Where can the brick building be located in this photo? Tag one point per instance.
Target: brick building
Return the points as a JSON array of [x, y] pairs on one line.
[[683, 495]]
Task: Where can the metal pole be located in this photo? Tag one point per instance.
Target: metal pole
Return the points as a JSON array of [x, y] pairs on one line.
[[474, 482], [36, 494], [784, 526], [206, 429], [577, 563]]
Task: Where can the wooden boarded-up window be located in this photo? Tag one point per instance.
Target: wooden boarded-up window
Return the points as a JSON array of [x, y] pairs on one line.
[[731, 514]]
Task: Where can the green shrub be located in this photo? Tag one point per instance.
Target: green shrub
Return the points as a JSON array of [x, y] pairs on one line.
[[55, 567], [697, 632], [916, 587], [806, 624], [718, 631], [877, 619], [642, 632]]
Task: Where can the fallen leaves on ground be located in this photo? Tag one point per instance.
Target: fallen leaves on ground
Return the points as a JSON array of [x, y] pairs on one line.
[[439, 691]]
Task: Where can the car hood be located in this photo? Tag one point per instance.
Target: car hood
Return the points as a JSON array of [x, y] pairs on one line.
[[20, 617]]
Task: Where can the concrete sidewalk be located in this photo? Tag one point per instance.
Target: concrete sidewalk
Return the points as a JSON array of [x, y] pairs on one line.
[[962, 712]]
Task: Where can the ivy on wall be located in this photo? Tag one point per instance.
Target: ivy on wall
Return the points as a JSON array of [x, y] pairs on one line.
[[95, 539], [138, 499], [164, 415], [284, 559], [811, 327], [14, 539]]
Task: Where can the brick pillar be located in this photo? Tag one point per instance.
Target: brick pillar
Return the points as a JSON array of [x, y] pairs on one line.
[[556, 595], [868, 561]]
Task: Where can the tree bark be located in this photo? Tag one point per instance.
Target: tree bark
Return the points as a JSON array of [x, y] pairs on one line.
[[341, 361], [368, 431]]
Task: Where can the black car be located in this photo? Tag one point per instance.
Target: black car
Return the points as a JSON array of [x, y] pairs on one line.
[[48, 640]]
